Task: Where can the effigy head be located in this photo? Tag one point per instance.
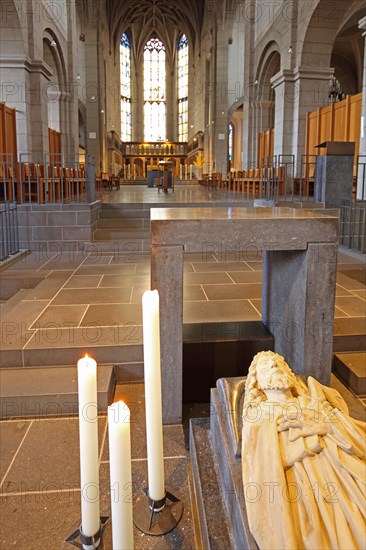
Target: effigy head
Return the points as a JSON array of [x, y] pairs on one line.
[[268, 371]]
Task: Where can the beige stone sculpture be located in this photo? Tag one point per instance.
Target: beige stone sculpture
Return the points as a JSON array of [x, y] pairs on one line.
[[303, 460]]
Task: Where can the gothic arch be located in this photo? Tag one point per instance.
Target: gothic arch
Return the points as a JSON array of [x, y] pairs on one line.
[[13, 30], [321, 27]]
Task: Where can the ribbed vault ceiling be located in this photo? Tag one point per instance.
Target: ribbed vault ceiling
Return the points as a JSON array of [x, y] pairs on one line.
[[165, 18]]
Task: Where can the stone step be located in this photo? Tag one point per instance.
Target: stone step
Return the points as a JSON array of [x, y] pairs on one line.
[[121, 223], [122, 245], [123, 213], [351, 369], [8, 305], [135, 234], [11, 282], [211, 513], [49, 391]]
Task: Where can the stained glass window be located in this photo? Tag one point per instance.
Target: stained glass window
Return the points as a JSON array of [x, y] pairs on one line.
[[183, 88], [231, 141], [154, 91], [125, 62]]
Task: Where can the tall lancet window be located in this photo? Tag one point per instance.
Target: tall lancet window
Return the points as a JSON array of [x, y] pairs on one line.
[[183, 88], [154, 91], [231, 141], [125, 61]]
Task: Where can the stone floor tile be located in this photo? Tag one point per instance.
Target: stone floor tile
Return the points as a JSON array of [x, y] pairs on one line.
[[192, 293], [246, 276], [354, 306], [93, 296], [110, 269], [233, 292], [212, 312], [113, 314], [348, 283], [60, 317], [46, 519], [40, 465], [115, 281], [206, 278], [223, 266], [11, 436], [84, 281]]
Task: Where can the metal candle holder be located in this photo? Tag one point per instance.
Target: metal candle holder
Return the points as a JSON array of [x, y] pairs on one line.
[[78, 539], [157, 517]]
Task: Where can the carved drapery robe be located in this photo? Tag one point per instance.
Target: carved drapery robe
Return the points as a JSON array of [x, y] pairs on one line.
[[305, 492]]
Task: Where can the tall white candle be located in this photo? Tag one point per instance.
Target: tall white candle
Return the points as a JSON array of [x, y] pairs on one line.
[[153, 403], [185, 171], [129, 171], [180, 172], [190, 171], [88, 434], [120, 475]]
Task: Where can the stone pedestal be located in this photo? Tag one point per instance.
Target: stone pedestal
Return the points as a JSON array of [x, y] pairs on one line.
[[333, 180], [334, 174], [299, 281]]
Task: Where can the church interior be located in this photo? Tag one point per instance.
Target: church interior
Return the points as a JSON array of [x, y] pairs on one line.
[[214, 151]]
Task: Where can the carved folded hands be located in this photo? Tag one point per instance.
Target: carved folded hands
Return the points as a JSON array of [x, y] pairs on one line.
[[306, 422]]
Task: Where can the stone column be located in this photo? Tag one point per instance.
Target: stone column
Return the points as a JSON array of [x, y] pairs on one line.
[[298, 91], [296, 312], [167, 279], [361, 184], [218, 123], [23, 88], [92, 94]]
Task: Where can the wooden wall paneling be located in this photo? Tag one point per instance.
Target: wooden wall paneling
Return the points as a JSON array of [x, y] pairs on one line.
[[11, 133], [2, 128], [339, 121]]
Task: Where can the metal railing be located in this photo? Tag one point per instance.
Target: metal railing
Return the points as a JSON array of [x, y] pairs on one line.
[[307, 177], [278, 178], [353, 225], [9, 236], [361, 177], [269, 183], [286, 177]]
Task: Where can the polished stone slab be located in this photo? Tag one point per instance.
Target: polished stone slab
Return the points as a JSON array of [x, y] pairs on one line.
[[300, 253]]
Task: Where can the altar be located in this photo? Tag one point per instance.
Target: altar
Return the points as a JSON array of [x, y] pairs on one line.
[[299, 279]]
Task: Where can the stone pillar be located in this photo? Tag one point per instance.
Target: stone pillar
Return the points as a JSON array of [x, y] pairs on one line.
[[23, 88], [303, 331], [298, 91], [218, 123], [249, 138], [167, 279], [92, 94], [361, 184]]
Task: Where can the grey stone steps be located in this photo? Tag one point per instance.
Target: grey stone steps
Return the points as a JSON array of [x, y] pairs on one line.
[[45, 351], [123, 213], [48, 391], [121, 223], [351, 369], [8, 305], [121, 245], [211, 513], [11, 282], [121, 234]]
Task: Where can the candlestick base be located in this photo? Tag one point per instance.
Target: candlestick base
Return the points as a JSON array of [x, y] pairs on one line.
[[157, 518], [78, 539]]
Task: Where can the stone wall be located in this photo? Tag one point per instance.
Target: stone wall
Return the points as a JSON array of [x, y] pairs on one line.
[[57, 227]]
